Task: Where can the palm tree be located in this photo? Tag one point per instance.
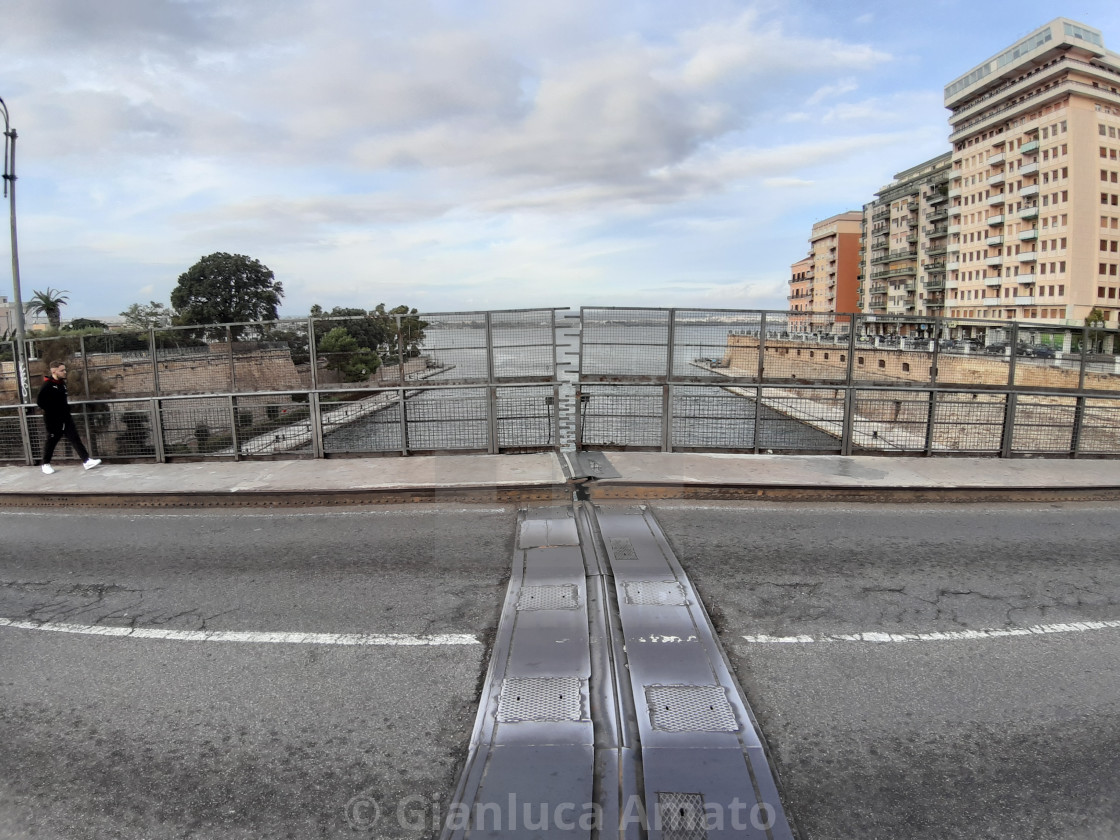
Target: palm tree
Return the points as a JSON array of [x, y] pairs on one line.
[[48, 303]]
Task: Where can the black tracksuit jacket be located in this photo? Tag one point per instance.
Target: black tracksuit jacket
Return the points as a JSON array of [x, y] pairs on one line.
[[56, 408]]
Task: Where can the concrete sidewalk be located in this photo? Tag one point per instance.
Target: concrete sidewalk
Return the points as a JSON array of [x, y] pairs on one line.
[[544, 476]]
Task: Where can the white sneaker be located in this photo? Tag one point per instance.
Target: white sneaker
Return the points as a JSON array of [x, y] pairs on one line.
[[48, 469], [91, 463]]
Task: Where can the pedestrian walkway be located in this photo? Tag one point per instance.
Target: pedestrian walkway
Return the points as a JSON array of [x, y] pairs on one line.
[[547, 476]]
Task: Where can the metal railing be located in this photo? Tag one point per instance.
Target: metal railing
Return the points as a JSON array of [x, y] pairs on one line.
[[664, 379]]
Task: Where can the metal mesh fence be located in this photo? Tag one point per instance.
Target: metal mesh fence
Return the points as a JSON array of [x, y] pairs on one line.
[[969, 422], [887, 421], [705, 341], [457, 344], [624, 342], [708, 417], [1043, 424], [622, 416], [523, 344], [1100, 427], [526, 417], [198, 426], [11, 436], [811, 347], [443, 419], [357, 421], [801, 420]]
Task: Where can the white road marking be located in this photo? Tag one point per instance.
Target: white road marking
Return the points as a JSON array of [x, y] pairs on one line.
[[951, 636], [351, 639]]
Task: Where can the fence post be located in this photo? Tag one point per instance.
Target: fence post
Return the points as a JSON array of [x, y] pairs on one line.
[[853, 321], [155, 360], [761, 346], [1078, 420], [235, 438], [314, 359], [316, 420], [400, 355], [404, 420], [1084, 357], [757, 414], [232, 372], [491, 391], [846, 428], [25, 433], [85, 365], [157, 430], [667, 387], [931, 420], [1008, 425], [1013, 347], [936, 352]]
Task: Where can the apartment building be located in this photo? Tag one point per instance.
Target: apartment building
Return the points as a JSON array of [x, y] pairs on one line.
[[800, 285], [827, 280], [1034, 198], [906, 243]]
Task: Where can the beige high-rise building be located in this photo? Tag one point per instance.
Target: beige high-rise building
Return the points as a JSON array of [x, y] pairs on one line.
[[1034, 198]]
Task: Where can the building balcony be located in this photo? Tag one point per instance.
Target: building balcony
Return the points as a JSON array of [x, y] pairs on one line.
[[993, 281], [1028, 256], [996, 180], [954, 192], [953, 229], [936, 252], [936, 197], [912, 238], [952, 265], [1028, 235], [997, 261], [990, 301], [997, 160], [995, 221], [1028, 169], [1027, 192], [936, 231], [1023, 299], [997, 199], [912, 206], [955, 172], [994, 240], [1029, 212], [1030, 148], [938, 215], [999, 141]]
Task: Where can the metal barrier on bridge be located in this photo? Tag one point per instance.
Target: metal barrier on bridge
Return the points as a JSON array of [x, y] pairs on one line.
[[508, 381]]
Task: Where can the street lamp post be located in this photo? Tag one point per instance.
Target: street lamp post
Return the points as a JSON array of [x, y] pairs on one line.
[[10, 189]]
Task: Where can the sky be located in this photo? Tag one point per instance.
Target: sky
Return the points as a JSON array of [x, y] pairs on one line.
[[459, 155]]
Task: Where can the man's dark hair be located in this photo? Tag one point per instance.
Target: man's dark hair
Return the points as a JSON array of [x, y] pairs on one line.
[[56, 364]]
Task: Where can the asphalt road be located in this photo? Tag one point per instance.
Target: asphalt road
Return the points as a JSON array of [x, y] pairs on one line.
[[142, 738], [999, 736], [987, 736]]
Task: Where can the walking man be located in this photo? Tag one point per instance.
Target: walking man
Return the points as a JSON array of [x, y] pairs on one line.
[[57, 419]]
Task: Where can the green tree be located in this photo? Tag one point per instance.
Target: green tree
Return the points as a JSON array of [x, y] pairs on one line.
[[342, 353], [79, 324], [1095, 323], [48, 303], [145, 317], [226, 288]]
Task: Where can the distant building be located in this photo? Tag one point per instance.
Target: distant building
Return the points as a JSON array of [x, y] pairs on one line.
[[7, 316], [827, 280], [1034, 198], [800, 287], [906, 242]]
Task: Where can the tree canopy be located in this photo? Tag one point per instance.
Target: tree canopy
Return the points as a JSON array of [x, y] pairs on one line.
[[145, 317], [226, 288]]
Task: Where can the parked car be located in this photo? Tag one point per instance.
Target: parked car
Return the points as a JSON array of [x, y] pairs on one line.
[[997, 349], [1043, 352]]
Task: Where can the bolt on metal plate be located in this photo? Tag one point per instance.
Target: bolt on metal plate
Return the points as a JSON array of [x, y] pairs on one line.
[[681, 816], [549, 597], [690, 708], [541, 699], [655, 593]]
